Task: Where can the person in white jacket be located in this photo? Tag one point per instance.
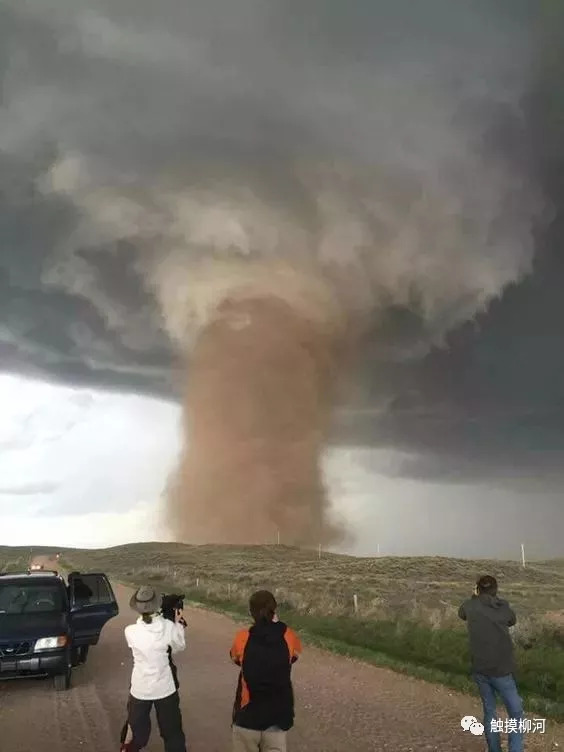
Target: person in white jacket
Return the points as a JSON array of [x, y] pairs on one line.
[[152, 682]]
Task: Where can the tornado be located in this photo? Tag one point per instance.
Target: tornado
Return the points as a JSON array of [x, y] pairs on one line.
[[275, 184], [256, 413]]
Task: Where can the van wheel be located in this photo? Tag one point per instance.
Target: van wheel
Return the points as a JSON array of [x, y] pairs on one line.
[[62, 681]]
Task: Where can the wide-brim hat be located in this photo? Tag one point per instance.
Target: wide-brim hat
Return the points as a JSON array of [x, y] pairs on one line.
[[145, 600]]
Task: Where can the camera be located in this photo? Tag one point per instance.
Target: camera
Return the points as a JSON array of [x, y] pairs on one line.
[[170, 604]]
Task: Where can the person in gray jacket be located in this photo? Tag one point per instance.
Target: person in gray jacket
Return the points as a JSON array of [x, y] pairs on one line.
[[493, 666]]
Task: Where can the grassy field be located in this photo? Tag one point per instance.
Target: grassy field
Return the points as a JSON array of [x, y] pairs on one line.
[[406, 607]]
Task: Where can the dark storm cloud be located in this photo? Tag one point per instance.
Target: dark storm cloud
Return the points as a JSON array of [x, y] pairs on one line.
[[518, 451], [183, 95]]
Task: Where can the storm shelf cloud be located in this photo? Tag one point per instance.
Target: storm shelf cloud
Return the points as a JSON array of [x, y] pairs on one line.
[[265, 210]]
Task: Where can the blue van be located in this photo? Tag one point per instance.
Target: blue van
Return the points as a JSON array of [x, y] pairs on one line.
[[47, 625]]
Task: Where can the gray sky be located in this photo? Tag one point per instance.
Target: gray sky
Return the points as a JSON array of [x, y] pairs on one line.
[[409, 152]]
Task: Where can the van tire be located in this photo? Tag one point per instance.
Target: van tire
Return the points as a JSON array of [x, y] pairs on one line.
[[62, 681]]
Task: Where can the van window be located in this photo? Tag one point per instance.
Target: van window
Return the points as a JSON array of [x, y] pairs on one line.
[[31, 598]]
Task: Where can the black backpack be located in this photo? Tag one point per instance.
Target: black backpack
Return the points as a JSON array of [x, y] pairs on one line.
[[266, 671]]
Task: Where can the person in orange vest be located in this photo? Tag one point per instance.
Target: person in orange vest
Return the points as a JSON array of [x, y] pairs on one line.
[[263, 711]]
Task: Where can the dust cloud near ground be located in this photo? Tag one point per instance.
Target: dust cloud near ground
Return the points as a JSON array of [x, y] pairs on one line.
[[256, 412]]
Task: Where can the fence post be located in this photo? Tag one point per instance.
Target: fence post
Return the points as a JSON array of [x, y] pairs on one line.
[[355, 603], [197, 582]]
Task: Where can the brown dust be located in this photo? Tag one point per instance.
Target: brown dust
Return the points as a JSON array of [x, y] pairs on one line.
[[256, 413]]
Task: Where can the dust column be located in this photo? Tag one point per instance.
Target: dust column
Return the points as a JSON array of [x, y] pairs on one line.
[[255, 416]]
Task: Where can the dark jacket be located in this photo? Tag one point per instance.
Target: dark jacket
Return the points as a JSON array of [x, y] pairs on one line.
[[264, 696], [491, 648]]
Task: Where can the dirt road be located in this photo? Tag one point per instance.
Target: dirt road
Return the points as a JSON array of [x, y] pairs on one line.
[[342, 705]]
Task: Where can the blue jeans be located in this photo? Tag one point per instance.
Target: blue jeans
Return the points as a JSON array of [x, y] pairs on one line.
[[506, 687]]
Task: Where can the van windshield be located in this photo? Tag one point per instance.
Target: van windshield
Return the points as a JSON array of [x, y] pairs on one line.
[[31, 598]]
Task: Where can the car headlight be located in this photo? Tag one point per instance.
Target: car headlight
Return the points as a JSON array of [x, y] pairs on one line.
[[48, 643]]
